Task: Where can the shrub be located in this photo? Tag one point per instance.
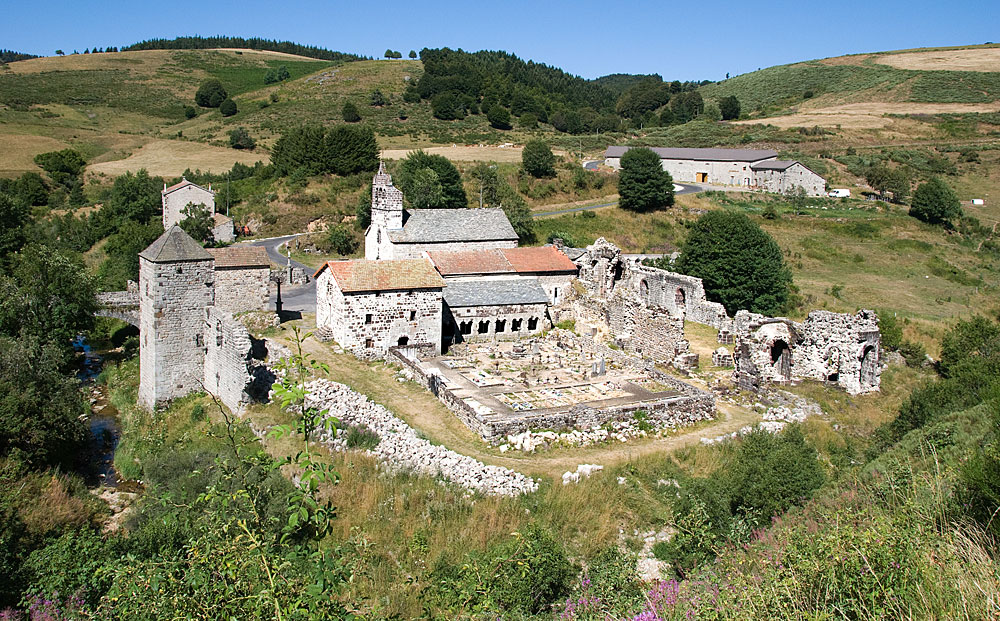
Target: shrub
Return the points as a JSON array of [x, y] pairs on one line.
[[342, 240], [447, 106], [210, 94], [729, 107], [377, 99], [537, 159], [567, 239], [240, 138], [528, 120], [350, 112], [891, 329], [361, 438], [190, 112], [228, 108]]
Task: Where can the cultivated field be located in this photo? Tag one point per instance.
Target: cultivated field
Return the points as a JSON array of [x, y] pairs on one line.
[[169, 158], [867, 115], [981, 59]]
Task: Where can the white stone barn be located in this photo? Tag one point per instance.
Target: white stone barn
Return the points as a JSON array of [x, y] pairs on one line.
[[178, 196], [750, 168], [397, 233], [371, 306]]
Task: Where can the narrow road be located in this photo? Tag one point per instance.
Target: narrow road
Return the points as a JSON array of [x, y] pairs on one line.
[[679, 188], [300, 298]]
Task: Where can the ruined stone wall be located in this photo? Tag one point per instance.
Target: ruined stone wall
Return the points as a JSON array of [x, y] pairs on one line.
[[507, 322], [177, 200], [368, 324], [172, 301], [557, 286], [239, 290], [678, 294], [646, 332], [227, 358], [841, 349]]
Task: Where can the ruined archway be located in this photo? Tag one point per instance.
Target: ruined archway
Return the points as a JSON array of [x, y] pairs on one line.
[[781, 360], [403, 341], [644, 290], [831, 365], [869, 367], [680, 299]]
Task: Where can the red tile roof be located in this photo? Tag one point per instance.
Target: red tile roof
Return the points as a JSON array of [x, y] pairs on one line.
[[365, 275], [536, 260], [462, 262], [240, 256]]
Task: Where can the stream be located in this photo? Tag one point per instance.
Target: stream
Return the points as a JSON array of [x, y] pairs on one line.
[[102, 419]]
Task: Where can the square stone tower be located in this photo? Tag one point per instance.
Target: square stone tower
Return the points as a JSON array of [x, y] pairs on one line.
[[387, 214], [176, 284]]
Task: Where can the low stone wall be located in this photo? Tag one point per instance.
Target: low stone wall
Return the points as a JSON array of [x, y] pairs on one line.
[[400, 448], [228, 352]]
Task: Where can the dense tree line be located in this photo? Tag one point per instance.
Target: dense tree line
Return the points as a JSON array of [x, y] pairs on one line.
[[253, 43], [9, 56], [341, 150]]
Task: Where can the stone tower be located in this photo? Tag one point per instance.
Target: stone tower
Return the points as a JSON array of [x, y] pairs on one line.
[[387, 215], [176, 284]]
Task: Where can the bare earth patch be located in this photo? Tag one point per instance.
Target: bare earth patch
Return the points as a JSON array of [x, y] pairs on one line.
[[169, 158], [867, 115], [980, 59], [462, 153]]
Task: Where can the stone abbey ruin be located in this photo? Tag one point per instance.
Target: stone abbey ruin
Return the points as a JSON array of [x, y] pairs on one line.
[[512, 340]]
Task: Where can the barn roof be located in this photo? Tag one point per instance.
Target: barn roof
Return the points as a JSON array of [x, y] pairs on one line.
[[713, 155], [183, 183], [463, 293], [174, 246], [774, 165], [386, 275], [453, 225], [239, 257]]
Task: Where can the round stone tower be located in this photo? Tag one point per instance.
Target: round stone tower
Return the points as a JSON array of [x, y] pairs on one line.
[[176, 284]]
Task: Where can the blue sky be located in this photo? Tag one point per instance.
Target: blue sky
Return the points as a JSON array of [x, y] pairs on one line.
[[685, 41]]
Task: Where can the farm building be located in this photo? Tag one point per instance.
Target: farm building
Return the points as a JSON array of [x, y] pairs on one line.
[[180, 195], [750, 168], [242, 277]]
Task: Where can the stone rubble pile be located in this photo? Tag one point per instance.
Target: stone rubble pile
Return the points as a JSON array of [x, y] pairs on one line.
[[583, 471], [794, 409], [400, 447]]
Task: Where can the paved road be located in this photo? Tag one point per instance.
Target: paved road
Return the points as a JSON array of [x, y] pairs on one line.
[[300, 298], [679, 188]]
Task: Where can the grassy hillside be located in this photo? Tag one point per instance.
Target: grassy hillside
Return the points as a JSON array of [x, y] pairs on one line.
[[966, 75]]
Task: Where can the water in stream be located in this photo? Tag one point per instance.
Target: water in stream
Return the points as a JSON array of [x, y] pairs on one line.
[[103, 418]]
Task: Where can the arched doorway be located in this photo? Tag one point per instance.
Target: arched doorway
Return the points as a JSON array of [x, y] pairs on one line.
[[869, 367], [781, 360], [680, 299], [403, 341]]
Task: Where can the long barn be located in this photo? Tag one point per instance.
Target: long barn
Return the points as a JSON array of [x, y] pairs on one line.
[[757, 169]]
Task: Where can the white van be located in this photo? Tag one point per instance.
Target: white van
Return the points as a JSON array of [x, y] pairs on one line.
[[840, 193]]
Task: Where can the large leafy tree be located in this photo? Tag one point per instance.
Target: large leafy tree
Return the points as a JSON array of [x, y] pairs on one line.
[[210, 94], [537, 159], [643, 185], [134, 198], [452, 192], [497, 192], [729, 107], [123, 250], [895, 181], [740, 264], [14, 217], [350, 150], [935, 202], [197, 222]]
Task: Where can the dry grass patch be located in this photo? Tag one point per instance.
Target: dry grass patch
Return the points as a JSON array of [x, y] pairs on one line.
[[870, 115], [464, 153], [169, 158], [979, 59], [17, 152]]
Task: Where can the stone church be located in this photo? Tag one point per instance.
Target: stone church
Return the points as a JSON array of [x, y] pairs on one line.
[[433, 277]]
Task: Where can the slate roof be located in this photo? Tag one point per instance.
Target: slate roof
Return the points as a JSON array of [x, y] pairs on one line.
[[240, 257], [463, 262], [774, 165], [494, 292], [452, 225], [173, 246], [538, 260], [363, 275], [712, 155], [182, 184]]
